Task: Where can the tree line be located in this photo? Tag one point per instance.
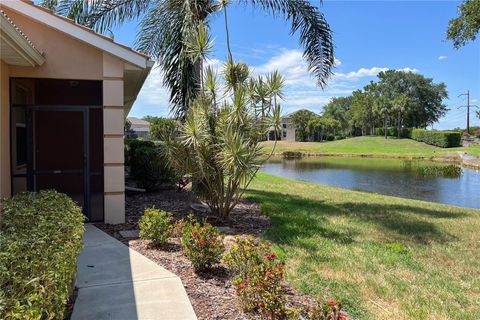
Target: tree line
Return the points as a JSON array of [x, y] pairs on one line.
[[398, 99]]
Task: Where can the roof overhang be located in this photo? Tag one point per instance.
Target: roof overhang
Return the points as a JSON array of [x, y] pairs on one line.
[[133, 80], [78, 32], [15, 48]]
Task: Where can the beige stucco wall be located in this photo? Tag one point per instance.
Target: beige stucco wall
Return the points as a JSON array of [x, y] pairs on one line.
[[67, 58], [4, 131]]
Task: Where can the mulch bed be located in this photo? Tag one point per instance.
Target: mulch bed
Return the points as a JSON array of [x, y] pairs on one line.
[[211, 293]]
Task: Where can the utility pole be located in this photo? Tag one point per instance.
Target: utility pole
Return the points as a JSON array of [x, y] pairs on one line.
[[468, 108]]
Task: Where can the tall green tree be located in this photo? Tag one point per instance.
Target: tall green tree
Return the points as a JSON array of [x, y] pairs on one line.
[[300, 121], [166, 28], [337, 108], [466, 26]]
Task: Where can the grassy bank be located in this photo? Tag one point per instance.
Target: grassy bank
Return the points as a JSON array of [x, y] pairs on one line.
[[389, 258], [376, 146]]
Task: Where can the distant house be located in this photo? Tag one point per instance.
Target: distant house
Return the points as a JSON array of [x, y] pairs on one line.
[[139, 128], [288, 129]]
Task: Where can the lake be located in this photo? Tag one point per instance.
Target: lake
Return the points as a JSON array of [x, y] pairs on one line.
[[413, 179]]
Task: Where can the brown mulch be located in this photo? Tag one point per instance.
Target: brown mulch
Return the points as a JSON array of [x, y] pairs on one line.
[[211, 293]]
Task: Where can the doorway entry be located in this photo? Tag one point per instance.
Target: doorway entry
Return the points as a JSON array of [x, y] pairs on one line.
[[60, 147]]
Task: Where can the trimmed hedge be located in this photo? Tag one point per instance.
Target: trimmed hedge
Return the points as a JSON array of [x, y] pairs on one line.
[[149, 166], [40, 240], [444, 139]]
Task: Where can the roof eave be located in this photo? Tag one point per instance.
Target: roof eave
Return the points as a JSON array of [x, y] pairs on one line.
[[19, 43]]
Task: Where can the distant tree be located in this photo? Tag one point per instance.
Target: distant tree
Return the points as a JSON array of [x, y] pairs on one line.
[[300, 121], [160, 127], [425, 97], [322, 125], [465, 27], [337, 109], [127, 129], [401, 105]]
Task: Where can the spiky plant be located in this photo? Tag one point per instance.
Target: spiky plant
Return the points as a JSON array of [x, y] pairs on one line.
[[166, 26], [219, 145]]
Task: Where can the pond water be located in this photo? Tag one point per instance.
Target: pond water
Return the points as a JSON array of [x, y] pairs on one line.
[[423, 180]]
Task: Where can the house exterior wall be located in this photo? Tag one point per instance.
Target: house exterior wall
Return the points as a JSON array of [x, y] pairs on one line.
[[288, 130], [67, 58]]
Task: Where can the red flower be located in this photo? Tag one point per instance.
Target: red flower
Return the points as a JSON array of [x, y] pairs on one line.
[[332, 303], [268, 273], [271, 256], [201, 240]]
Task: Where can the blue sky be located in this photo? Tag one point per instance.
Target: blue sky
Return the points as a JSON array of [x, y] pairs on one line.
[[369, 36]]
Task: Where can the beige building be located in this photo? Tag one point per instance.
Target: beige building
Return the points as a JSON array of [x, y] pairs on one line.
[[65, 93], [139, 128]]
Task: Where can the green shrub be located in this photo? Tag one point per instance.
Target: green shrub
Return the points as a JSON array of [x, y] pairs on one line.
[[329, 137], [40, 240], [150, 167], [155, 225], [130, 144], [202, 245], [258, 276], [444, 139]]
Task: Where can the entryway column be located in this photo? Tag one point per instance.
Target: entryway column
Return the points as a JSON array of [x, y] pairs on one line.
[[113, 122]]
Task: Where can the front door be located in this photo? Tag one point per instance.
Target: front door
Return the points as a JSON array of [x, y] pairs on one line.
[[59, 155]]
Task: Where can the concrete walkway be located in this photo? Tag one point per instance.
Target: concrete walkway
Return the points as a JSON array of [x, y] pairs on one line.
[[117, 283]]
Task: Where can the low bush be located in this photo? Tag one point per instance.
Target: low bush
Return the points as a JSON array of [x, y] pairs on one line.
[[155, 225], [178, 226], [444, 139], [329, 137], [202, 245], [258, 276], [150, 167], [40, 240]]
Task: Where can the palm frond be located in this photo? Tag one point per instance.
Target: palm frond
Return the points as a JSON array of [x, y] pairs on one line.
[[314, 31], [162, 34]]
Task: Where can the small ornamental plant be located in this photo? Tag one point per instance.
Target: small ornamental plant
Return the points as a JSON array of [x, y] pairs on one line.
[[178, 226], [258, 276], [155, 225], [202, 245], [332, 310]]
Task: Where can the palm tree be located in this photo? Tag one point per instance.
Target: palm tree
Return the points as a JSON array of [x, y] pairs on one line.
[[167, 25]]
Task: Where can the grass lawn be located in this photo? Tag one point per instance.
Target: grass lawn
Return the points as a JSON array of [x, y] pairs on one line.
[[369, 145], [387, 257]]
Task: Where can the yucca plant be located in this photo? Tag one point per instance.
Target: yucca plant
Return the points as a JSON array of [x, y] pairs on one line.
[[219, 142]]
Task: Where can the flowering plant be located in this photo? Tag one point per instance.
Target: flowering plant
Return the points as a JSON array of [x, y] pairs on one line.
[[202, 244]]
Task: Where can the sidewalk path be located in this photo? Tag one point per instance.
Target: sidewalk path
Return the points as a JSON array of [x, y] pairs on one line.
[[117, 283]]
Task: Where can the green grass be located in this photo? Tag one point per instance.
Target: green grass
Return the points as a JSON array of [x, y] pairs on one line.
[[388, 258], [377, 146]]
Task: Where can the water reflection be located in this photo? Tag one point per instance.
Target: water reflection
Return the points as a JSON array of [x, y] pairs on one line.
[[424, 180]]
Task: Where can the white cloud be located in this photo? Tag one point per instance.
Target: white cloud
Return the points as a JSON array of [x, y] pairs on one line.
[[301, 90], [442, 57], [368, 72], [153, 99]]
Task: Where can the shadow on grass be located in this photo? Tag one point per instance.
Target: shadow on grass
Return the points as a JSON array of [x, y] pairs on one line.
[[296, 219]]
